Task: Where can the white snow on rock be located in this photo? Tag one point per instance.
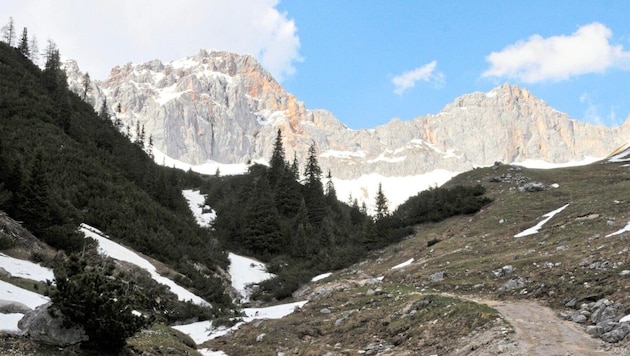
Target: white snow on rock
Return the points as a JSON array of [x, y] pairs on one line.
[[534, 229], [625, 319], [112, 249], [625, 228], [25, 269], [321, 276], [404, 264], [203, 331], [197, 204], [245, 272]]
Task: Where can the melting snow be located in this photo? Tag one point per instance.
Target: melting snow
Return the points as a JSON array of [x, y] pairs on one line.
[[404, 264], [626, 228], [197, 204], [321, 276], [538, 164], [203, 331], [343, 154], [9, 323], [25, 269], [246, 271], [14, 293], [534, 230], [119, 252], [396, 189]]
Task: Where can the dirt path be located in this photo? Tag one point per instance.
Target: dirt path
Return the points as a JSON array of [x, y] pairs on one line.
[[539, 331]]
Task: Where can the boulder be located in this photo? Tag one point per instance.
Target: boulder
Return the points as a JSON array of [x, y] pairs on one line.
[[9, 307], [616, 334], [44, 324]]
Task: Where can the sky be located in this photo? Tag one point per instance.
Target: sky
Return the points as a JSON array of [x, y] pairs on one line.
[[366, 61]]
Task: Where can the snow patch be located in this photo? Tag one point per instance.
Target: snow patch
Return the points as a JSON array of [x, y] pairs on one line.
[[25, 269], [208, 168], [167, 94], [9, 323], [404, 264], [539, 164], [197, 204], [321, 276], [14, 293], [343, 154], [626, 228], [203, 331], [245, 272], [396, 189], [534, 229], [112, 249]]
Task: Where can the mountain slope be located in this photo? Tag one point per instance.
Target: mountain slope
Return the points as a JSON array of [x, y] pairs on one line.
[[430, 293], [63, 165]]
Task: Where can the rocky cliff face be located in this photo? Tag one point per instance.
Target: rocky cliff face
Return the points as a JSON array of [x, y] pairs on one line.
[[226, 108]]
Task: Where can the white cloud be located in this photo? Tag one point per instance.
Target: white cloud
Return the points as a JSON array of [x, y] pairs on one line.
[[426, 73], [557, 58], [103, 34], [592, 113]]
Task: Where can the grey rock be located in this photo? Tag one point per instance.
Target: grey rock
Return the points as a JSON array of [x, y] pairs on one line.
[[260, 337], [578, 318], [532, 187], [437, 276], [325, 311], [8, 306], [41, 326], [594, 330], [514, 283], [616, 334]]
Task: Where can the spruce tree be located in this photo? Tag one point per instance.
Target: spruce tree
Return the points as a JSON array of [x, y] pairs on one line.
[[382, 208], [313, 189], [261, 232], [277, 163], [9, 32], [23, 46]]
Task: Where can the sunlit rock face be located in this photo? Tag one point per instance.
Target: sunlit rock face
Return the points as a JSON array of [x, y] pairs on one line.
[[226, 108]]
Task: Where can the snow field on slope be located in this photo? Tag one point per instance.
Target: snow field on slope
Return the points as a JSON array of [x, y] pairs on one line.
[[114, 250], [534, 229], [10, 293], [197, 203], [245, 271], [25, 269], [203, 331]]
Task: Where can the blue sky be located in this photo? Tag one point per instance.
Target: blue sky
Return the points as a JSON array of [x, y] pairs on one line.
[[367, 61]]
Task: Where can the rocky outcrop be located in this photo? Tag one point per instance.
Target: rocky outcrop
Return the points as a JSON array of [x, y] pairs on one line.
[[226, 108], [603, 319], [45, 324]]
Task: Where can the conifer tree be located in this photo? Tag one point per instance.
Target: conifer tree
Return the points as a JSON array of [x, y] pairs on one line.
[[295, 167], [23, 46], [261, 232], [9, 32], [382, 208], [313, 188], [85, 86], [277, 163], [34, 50], [103, 113], [331, 193]]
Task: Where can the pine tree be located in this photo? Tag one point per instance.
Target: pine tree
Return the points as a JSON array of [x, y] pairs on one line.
[[261, 232], [103, 113], [34, 50], [23, 46], [95, 299], [85, 86], [331, 193], [313, 189], [9, 32], [382, 209], [295, 167], [277, 163]]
